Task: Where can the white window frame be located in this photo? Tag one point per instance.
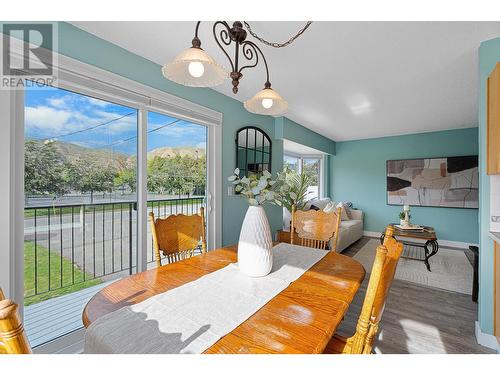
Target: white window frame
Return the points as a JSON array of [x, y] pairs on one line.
[[321, 176], [88, 80]]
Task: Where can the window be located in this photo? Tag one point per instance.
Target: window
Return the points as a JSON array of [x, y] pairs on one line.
[[292, 162], [311, 165]]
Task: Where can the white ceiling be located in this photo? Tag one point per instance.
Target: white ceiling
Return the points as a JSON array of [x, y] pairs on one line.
[[345, 80]]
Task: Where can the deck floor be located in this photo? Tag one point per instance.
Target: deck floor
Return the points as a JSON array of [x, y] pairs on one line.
[[48, 320]]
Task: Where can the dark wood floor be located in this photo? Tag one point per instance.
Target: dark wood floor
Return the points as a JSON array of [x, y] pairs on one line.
[[419, 319]]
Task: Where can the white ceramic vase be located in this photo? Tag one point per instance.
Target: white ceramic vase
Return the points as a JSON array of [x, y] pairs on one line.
[[255, 257]]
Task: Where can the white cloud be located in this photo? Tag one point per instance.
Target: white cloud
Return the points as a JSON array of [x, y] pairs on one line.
[[57, 102], [51, 121], [124, 124], [46, 118]]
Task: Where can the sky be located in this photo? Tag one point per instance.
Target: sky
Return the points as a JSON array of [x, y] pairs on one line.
[[60, 115]]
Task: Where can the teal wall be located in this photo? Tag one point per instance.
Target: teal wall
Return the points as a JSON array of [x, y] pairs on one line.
[[80, 45], [489, 55], [358, 175]]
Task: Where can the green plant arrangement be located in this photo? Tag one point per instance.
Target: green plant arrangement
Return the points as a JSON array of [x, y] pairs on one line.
[[402, 216], [259, 190], [294, 189], [288, 189]]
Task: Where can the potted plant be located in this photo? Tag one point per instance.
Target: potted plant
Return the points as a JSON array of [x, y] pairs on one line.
[[294, 189], [255, 257], [403, 220]]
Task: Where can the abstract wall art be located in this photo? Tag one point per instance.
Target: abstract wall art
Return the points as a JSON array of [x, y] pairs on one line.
[[435, 182]]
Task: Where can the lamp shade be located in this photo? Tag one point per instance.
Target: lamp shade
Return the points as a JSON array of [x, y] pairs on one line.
[[266, 102], [194, 67]]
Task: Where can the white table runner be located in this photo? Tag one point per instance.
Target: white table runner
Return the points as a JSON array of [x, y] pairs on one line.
[[194, 316]]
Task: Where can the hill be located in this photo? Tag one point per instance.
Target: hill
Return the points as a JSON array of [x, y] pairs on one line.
[[71, 151], [166, 152]]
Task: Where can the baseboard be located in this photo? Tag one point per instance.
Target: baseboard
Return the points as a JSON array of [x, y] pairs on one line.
[[444, 243], [485, 339]]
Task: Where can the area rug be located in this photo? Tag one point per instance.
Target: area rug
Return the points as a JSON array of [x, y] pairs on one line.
[[450, 268]]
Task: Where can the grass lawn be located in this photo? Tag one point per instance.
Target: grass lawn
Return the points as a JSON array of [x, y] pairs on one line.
[[55, 275]]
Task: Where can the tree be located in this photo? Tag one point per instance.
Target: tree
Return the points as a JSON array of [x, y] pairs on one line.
[[43, 169], [157, 177], [177, 174], [198, 173], [311, 168], [127, 177], [86, 175]]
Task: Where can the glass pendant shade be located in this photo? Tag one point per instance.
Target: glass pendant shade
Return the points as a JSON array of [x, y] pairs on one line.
[[194, 67], [266, 102]]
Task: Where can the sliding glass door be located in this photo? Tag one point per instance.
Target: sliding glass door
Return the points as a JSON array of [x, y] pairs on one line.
[[82, 211], [80, 204]]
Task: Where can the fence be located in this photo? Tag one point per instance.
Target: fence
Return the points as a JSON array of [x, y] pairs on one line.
[[66, 245]]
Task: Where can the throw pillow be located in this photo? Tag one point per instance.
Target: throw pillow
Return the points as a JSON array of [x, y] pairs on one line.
[[330, 207], [348, 207], [344, 215]]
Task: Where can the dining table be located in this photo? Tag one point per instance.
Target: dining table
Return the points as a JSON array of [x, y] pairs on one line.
[[300, 319]]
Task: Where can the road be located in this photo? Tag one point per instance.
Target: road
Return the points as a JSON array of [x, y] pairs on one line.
[[98, 244]]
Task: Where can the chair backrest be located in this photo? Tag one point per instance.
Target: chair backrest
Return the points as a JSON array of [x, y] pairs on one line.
[[382, 274], [315, 228], [394, 251], [13, 339], [178, 236]]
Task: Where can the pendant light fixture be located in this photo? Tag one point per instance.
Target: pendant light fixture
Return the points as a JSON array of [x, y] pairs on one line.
[[194, 67], [266, 102]]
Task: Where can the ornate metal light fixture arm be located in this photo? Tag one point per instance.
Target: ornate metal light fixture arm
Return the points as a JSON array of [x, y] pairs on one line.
[[249, 55], [237, 34], [225, 37]]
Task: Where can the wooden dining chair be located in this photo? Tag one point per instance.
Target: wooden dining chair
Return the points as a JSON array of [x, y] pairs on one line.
[[13, 339], [382, 274], [178, 236], [315, 228]]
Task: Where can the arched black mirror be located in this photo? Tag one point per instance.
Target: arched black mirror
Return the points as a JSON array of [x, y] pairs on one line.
[[253, 151]]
